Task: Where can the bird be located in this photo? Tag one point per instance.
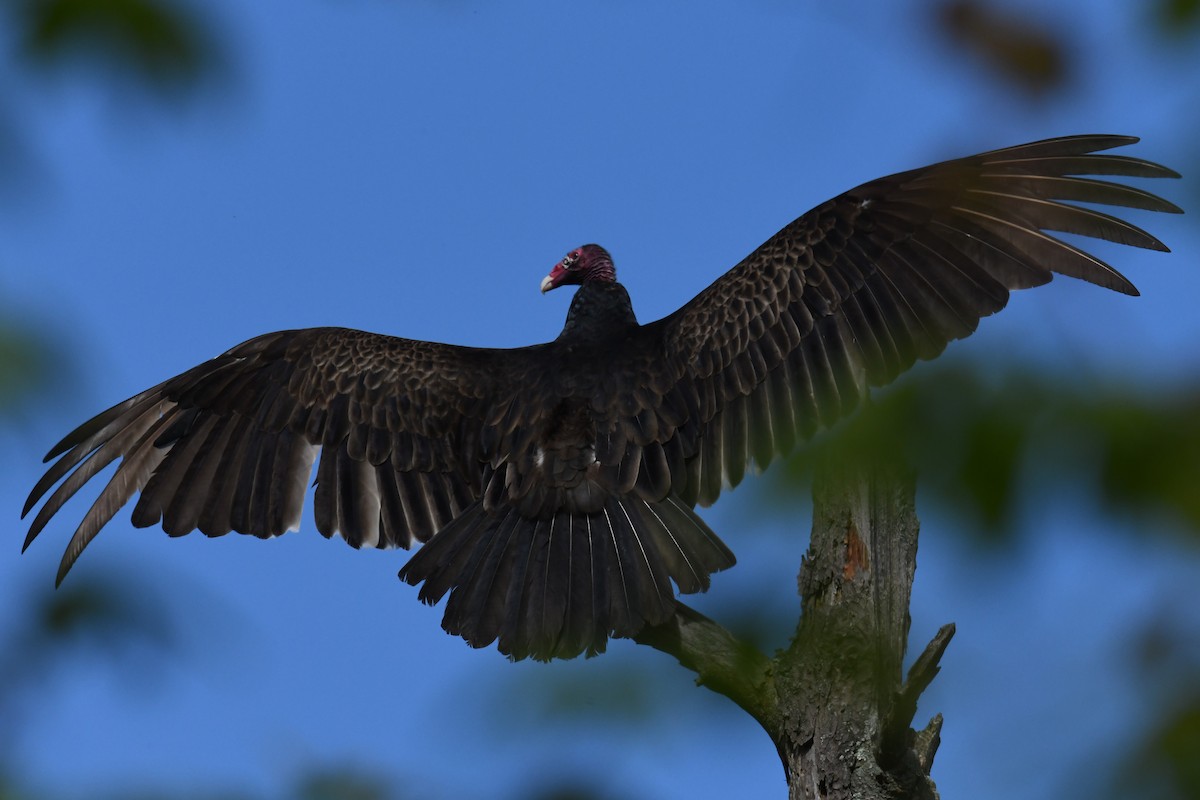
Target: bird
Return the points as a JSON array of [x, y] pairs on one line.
[[553, 487]]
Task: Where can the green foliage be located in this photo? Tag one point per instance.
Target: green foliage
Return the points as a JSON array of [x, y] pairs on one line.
[[344, 784], [107, 610], [562, 790], [1019, 50], [1150, 455], [157, 48], [1176, 747], [25, 367], [1167, 764], [155, 44], [1176, 17], [984, 445], [107, 617]]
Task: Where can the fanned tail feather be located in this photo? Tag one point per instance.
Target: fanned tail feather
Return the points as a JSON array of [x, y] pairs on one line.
[[561, 586]]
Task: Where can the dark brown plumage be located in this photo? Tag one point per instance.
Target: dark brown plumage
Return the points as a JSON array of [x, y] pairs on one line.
[[554, 485]]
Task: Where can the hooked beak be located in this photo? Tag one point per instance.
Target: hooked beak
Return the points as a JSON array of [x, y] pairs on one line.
[[554, 279]]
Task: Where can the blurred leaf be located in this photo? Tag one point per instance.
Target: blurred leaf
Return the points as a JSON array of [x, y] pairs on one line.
[[566, 789], [28, 365], [173, 793], [1167, 765], [108, 617], [1178, 750], [991, 457], [1165, 649], [1177, 17], [616, 694], [112, 619], [110, 613], [344, 784], [1017, 49], [1150, 455], [154, 43], [157, 46], [1163, 761], [9, 790], [981, 443]]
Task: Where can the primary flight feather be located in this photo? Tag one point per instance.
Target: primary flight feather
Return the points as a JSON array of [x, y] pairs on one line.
[[553, 486]]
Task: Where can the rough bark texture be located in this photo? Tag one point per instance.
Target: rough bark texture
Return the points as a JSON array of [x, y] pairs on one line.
[[840, 684], [835, 701]]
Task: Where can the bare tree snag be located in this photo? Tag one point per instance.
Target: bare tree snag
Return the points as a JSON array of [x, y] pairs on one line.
[[845, 708], [835, 702]]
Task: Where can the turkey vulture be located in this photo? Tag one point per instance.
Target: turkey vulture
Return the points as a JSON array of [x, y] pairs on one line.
[[553, 486]]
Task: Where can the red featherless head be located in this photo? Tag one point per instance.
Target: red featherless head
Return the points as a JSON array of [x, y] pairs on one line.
[[588, 263]]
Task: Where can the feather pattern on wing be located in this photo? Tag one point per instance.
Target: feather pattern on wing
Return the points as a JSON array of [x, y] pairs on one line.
[[851, 294], [554, 485]]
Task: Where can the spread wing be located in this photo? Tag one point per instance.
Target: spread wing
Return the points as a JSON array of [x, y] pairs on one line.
[[562, 476], [230, 444], [852, 293]]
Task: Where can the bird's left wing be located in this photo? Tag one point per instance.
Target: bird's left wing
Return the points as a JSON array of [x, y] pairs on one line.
[[230, 444], [853, 292]]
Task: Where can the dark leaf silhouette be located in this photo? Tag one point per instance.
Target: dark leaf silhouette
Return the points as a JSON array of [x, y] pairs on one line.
[[1016, 49], [160, 45], [1178, 17]]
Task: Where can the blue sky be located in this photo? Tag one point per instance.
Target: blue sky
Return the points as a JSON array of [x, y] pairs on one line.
[[416, 168]]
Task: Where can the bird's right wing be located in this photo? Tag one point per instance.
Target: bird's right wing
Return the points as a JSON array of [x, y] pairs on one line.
[[853, 292], [230, 444]]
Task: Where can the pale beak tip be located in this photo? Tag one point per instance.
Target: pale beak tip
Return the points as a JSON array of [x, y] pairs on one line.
[[547, 284]]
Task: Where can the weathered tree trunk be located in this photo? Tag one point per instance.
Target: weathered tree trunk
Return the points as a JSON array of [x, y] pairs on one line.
[[845, 709], [835, 702]]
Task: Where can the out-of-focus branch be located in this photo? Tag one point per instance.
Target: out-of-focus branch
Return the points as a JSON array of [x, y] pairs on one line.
[[721, 661]]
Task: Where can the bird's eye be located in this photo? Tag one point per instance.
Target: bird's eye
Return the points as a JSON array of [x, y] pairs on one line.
[[570, 260]]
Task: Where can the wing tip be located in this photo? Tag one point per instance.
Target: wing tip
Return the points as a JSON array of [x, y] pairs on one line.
[[35, 528], [64, 444], [64, 566]]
